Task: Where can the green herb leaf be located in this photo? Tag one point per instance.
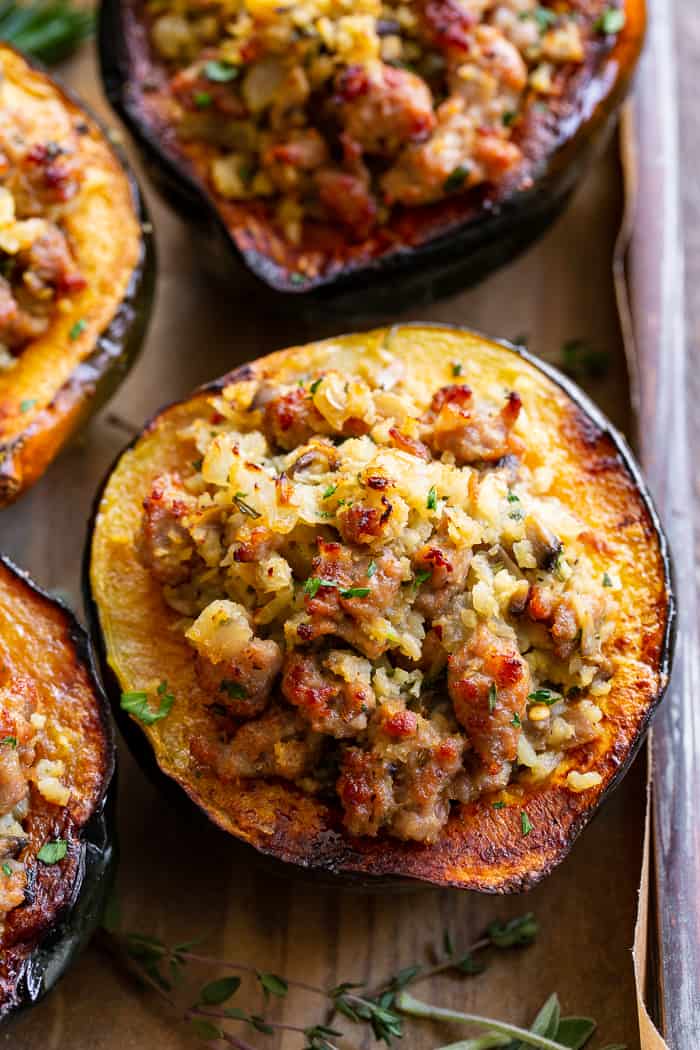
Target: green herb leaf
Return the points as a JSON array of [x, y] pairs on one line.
[[297, 278], [544, 696], [27, 405], [355, 592], [607, 580], [205, 1029], [220, 72], [611, 21], [202, 99], [456, 368], [371, 569], [7, 870], [217, 992], [493, 696], [245, 508], [136, 703], [421, 576], [547, 1021], [525, 823], [260, 1024], [316, 384], [234, 689], [500, 804], [77, 329], [312, 585], [328, 492], [456, 179], [431, 502], [508, 118], [512, 497], [574, 1032], [515, 721], [52, 852], [274, 984], [514, 933], [49, 30], [9, 741]]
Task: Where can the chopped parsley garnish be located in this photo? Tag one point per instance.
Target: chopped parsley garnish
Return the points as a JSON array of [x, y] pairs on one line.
[[525, 823], [316, 384], [456, 369], [607, 580], [611, 21], [220, 72], [544, 696], [297, 278], [197, 464], [234, 689], [371, 569], [136, 703], [431, 502], [355, 592], [499, 805], [7, 869], [28, 405], [542, 15], [508, 118], [493, 696], [77, 329], [512, 498], [202, 99], [245, 508], [313, 584], [515, 721], [327, 493], [52, 852], [421, 576], [10, 741], [455, 180]]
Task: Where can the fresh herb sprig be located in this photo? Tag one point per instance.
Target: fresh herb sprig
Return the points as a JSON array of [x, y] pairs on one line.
[[382, 1010], [49, 30]]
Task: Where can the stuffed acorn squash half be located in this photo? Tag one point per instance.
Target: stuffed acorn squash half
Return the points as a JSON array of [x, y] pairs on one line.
[[76, 270], [335, 145], [392, 603], [56, 768]]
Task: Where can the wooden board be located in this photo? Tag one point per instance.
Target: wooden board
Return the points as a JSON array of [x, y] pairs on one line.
[[179, 882]]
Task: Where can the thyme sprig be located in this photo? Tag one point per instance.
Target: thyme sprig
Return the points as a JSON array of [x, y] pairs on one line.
[[49, 30], [381, 1010]]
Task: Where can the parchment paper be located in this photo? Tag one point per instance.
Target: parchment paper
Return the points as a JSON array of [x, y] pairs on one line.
[[184, 880]]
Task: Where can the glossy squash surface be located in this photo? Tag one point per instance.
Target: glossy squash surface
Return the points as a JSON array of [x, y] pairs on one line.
[[94, 334]]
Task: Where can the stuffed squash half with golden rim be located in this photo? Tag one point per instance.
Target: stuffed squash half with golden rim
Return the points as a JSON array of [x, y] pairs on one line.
[[76, 269], [56, 766], [391, 603], [335, 144]]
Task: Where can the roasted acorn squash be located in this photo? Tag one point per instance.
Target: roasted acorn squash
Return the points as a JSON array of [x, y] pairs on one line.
[[57, 744], [435, 246], [94, 266], [512, 830]]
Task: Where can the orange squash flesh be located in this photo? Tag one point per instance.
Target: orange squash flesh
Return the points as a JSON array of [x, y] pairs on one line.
[[481, 848]]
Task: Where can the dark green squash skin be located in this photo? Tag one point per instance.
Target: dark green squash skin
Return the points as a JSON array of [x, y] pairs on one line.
[[413, 276], [94, 381], [63, 942], [143, 753]]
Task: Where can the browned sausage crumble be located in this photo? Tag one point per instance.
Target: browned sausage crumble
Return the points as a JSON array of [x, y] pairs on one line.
[[338, 112], [385, 605]]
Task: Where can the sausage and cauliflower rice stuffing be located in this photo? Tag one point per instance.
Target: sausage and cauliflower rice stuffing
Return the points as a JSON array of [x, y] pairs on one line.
[[384, 604], [332, 111]]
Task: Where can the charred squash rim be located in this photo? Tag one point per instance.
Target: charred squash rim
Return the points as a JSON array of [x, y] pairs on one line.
[[66, 898], [494, 227], [25, 455], [490, 854]]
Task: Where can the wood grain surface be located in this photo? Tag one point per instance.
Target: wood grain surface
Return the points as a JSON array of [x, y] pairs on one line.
[[181, 879], [665, 282]]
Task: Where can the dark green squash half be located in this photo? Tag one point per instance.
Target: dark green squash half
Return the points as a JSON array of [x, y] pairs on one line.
[[42, 643], [481, 847], [429, 251], [64, 375]]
